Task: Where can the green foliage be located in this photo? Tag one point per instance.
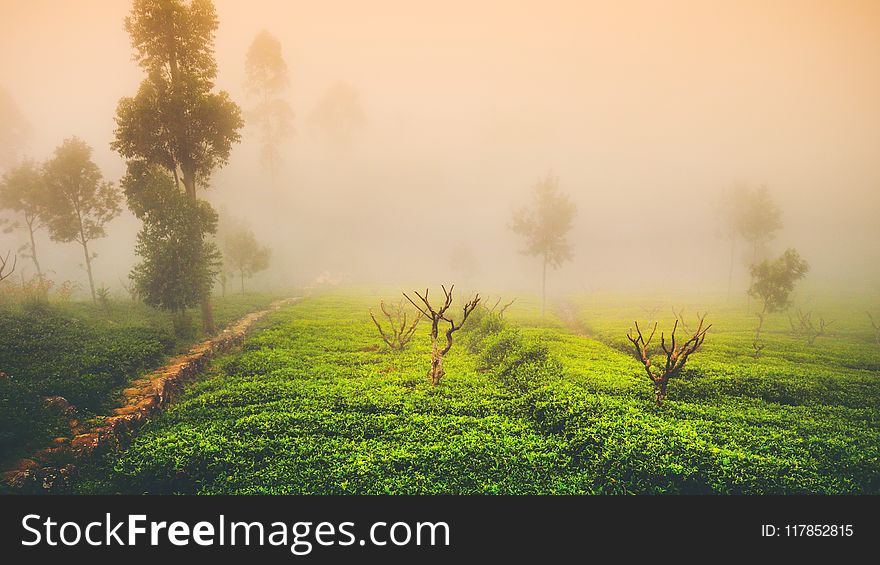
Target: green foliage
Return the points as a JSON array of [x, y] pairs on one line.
[[752, 215], [267, 79], [79, 203], [23, 190], [773, 280], [308, 407], [83, 355], [546, 222], [175, 120], [480, 325], [178, 263], [244, 254]]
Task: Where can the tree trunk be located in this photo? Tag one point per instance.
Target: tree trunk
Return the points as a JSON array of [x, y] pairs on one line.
[[208, 316], [660, 391], [436, 373], [34, 250], [189, 183], [544, 288], [89, 270], [242, 281]]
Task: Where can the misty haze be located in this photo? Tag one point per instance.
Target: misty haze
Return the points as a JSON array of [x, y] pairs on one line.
[[625, 196]]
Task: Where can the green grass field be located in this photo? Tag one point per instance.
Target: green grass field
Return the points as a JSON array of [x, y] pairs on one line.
[[86, 355], [529, 405]]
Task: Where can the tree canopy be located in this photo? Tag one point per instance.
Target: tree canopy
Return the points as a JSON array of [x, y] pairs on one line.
[[267, 80], [175, 120], [544, 225], [23, 191], [79, 201], [178, 263], [752, 215], [244, 254], [773, 280]]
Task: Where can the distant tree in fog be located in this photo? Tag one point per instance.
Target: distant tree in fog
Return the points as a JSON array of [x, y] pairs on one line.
[[773, 281], [338, 114], [176, 120], [544, 225], [14, 130], [23, 191], [178, 261], [244, 255], [267, 81], [752, 216], [78, 201]]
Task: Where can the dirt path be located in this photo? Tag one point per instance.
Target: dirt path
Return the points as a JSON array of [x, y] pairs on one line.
[[50, 469]]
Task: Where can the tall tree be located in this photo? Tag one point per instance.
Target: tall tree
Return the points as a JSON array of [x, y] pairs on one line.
[[23, 190], [751, 215], [244, 254], [338, 114], [79, 203], [176, 120], [544, 224], [267, 81], [178, 262]]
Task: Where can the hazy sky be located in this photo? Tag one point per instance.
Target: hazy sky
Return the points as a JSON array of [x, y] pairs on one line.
[[645, 109]]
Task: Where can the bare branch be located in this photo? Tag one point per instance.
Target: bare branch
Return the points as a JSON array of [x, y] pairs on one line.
[[676, 355], [5, 269]]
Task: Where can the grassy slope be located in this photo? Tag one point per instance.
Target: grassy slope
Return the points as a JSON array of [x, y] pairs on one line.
[[84, 354], [308, 408]]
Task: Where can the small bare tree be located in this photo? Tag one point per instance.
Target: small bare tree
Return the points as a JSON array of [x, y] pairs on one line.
[[6, 269], [876, 328], [499, 311], [400, 334], [676, 355], [436, 316], [805, 326]]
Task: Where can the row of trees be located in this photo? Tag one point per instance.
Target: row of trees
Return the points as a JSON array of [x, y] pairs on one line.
[[174, 133], [67, 195]]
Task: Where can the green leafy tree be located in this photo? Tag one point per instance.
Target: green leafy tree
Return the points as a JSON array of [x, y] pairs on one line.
[[773, 281], [244, 254], [267, 81], [23, 191], [750, 215], [178, 262], [78, 201], [544, 225], [176, 120]]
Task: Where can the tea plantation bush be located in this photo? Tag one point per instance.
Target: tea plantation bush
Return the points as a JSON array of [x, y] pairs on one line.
[[311, 406], [79, 353]]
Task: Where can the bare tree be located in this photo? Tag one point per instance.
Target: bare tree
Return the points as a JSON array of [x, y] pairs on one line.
[[400, 334], [499, 311], [6, 270], [805, 326], [436, 316], [676, 355]]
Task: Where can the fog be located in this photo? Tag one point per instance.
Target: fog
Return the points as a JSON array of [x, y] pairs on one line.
[[646, 111]]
